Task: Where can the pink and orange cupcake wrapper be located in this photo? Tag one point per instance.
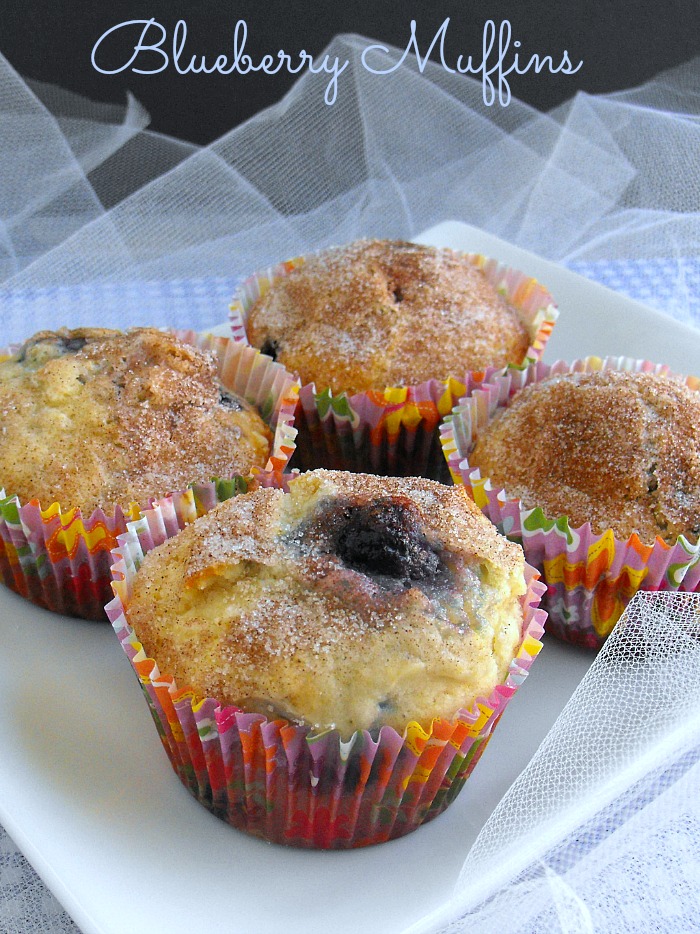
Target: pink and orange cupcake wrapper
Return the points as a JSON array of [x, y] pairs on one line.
[[590, 577], [60, 559], [392, 431], [277, 780]]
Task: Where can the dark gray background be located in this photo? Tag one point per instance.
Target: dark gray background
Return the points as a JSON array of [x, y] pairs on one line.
[[621, 43]]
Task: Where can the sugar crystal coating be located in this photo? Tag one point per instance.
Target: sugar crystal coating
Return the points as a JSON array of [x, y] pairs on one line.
[[95, 417], [379, 313], [273, 602], [619, 450]]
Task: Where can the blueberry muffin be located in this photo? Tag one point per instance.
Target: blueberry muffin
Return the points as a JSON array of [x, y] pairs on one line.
[[620, 450], [351, 602], [101, 418], [380, 313]]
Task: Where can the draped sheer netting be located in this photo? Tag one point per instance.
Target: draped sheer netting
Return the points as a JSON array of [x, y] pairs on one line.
[[607, 185], [599, 833]]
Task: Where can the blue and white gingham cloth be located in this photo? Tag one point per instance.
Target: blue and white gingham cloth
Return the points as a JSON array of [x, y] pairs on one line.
[[202, 303], [177, 303], [654, 282]]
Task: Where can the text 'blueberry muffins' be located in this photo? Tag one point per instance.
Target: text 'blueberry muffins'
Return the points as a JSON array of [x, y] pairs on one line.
[[353, 616], [385, 336], [596, 469], [96, 424]]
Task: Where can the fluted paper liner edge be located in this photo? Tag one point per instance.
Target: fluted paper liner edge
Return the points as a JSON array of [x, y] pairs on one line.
[[278, 781]]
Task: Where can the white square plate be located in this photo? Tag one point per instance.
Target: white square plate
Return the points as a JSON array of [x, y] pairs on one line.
[[90, 798]]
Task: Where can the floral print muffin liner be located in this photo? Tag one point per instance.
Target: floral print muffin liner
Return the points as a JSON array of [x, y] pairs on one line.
[[60, 559], [590, 577], [393, 432], [278, 781]]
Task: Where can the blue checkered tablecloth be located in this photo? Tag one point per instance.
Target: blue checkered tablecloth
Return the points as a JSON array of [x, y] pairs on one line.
[[203, 302], [655, 282], [177, 303]]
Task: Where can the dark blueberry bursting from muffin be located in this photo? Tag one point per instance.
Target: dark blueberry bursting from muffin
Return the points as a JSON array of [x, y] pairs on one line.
[[381, 540], [64, 345], [72, 344], [230, 401], [270, 348]]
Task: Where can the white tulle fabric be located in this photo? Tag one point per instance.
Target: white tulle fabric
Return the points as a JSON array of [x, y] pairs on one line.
[[87, 193], [600, 833]]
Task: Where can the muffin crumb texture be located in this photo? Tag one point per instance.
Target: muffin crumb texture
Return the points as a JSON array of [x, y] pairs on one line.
[[99, 418], [380, 313], [351, 602], [619, 450]]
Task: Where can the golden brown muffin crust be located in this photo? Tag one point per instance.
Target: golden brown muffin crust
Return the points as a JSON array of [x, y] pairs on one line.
[[380, 313], [353, 601], [95, 417], [618, 450]]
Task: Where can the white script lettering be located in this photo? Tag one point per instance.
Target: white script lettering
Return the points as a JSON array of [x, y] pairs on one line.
[[496, 63]]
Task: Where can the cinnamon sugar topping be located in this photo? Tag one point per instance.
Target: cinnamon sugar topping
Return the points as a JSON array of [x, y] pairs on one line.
[[94, 417], [382, 313], [619, 450], [314, 601]]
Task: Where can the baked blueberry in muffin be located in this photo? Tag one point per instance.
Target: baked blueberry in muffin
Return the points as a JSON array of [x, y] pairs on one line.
[[349, 602]]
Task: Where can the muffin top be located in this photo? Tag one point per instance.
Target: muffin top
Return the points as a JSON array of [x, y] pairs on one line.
[[351, 602], [618, 450], [98, 418], [380, 313]]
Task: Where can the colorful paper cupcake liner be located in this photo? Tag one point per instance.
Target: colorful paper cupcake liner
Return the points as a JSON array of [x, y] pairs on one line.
[[590, 577], [393, 432], [277, 780], [60, 559]]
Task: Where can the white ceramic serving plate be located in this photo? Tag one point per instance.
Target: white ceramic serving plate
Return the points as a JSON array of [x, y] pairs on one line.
[[89, 796]]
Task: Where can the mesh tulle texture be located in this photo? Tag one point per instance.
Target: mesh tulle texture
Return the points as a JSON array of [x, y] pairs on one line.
[[89, 194], [26, 906], [599, 832]]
